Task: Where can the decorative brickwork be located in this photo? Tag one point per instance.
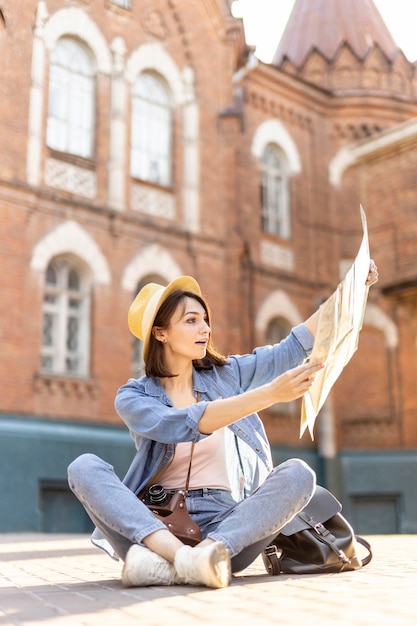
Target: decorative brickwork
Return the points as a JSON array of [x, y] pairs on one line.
[[72, 178]]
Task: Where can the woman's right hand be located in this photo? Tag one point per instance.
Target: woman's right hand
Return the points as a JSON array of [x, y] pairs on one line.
[[288, 386], [295, 382]]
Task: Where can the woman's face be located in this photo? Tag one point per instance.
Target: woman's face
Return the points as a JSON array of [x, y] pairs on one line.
[[188, 331]]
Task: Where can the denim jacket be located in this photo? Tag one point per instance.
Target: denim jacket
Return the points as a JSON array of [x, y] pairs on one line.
[[156, 425]]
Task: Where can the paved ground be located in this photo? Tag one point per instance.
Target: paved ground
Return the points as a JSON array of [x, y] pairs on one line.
[[61, 580]]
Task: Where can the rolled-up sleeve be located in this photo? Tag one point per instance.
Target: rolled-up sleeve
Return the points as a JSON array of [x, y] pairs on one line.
[[304, 337]]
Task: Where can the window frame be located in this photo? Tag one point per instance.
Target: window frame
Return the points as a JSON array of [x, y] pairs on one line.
[[152, 118], [60, 295], [71, 89], [274, 187]]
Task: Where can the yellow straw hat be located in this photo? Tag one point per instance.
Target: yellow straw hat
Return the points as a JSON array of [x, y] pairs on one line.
[[145, 306]]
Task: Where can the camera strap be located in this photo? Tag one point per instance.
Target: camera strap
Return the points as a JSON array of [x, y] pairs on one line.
[[159, 472], [187, 482]]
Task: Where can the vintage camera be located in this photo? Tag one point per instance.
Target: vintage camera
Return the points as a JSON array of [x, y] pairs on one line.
[[157, 495]]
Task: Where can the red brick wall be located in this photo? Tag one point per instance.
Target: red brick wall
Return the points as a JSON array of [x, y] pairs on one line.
[[375, 400], [387, 185]]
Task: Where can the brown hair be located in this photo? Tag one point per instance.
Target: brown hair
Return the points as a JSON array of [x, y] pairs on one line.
[[155, 363]]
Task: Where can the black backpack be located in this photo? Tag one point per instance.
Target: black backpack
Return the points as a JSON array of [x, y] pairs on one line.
[[317, 540]]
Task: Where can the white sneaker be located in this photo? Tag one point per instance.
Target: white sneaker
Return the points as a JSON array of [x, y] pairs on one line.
[[208, 566], [143, 568]]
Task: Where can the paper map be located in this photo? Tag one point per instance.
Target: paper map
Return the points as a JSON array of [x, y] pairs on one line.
[[339, 325]]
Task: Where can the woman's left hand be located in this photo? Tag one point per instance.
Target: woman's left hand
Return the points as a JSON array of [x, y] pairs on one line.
[[373, 274]]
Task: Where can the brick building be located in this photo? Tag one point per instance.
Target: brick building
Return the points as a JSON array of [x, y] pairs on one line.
[[143, 141]]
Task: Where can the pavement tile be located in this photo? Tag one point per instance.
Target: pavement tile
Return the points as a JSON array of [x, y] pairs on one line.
[[61, 580]]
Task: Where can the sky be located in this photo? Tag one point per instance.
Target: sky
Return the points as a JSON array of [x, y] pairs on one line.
[[265, 20]]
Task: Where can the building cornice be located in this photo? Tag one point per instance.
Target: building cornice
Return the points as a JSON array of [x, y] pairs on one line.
[[353, 153]]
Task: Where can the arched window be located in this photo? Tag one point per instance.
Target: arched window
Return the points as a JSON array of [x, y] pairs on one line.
[[151, 138], [275, 218], [71, 99], [65, 328]]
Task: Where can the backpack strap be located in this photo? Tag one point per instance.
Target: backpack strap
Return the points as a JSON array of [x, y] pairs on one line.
[[366, 545]]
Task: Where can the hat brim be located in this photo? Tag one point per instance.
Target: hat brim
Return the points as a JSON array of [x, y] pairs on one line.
[[182, 283]]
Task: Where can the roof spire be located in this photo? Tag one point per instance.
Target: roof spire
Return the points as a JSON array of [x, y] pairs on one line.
[[325, 25]]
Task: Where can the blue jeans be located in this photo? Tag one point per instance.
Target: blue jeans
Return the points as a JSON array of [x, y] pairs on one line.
[[245, 527]]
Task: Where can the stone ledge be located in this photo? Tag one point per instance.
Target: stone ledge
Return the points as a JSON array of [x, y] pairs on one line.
[[66, 385]]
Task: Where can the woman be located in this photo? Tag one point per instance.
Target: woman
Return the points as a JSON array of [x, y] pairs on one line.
[[192, 394]]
